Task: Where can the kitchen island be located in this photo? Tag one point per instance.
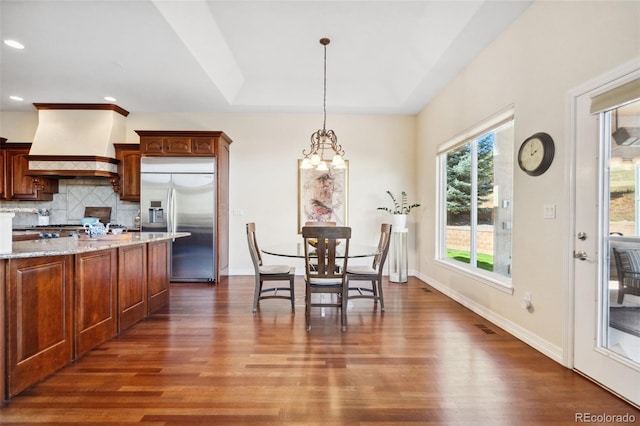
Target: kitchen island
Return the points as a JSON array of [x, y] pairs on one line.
[[64, 296]]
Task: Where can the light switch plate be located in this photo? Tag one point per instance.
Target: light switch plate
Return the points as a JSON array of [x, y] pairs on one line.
[[549, 211]]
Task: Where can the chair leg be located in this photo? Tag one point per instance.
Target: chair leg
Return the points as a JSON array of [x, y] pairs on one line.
[[380, 295], [620, 296], [343, 308], [293, 296], [256, 294], [307, 313]]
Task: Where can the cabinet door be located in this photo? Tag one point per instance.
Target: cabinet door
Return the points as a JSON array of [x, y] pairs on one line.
[[151, 145], [132, 285], [95, 294], [39, 317], [158, 275], [19, 185], [177, 146], [3, 175], [203, 146], [129, 171]]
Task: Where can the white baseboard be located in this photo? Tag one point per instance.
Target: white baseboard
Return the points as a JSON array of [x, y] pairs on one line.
[[552, 351]]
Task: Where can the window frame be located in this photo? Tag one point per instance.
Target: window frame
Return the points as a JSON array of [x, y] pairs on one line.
[[492, 279]]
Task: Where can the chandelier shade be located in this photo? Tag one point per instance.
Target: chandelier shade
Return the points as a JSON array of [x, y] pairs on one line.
[[323, 140]]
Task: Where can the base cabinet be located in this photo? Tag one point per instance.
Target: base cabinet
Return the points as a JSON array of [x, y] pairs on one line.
[[159, 275], [39, 319], [54, 309], [132, 285], [95, 295]]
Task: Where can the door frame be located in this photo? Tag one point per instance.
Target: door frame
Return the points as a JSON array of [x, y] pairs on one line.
[[600, 82]]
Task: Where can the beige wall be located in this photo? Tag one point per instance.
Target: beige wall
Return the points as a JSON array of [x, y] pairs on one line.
[[552, 48], [264, 171]]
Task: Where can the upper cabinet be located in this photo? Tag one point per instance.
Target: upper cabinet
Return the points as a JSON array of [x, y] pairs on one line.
[[128, 170], [16, 182], [180, 143]]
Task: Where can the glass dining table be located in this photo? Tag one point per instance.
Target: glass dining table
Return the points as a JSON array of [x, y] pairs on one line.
[[297, 250]]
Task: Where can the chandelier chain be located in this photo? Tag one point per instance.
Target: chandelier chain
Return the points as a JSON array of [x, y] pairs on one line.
[[324, 101], [323, 139]]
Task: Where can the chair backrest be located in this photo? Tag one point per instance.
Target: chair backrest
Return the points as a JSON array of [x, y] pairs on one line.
[[320, 224], [327, 239], [253, 247], [627, 262], [383, 246]]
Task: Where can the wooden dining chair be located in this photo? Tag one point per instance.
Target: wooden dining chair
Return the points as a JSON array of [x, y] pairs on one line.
[[313, 262], [371, 273], [321, 274], [628, 267], [269, 273]]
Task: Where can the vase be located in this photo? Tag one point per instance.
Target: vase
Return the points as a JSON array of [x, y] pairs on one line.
[[399, 222]]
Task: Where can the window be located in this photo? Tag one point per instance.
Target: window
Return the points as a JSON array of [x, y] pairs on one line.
[[476, 187]]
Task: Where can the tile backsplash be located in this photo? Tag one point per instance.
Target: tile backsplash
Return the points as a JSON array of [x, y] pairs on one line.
[[69, 203]]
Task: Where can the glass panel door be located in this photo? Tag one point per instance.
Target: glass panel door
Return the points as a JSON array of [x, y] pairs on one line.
[[621, 292]]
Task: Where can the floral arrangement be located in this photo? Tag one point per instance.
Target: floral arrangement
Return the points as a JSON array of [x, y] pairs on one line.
[[402, 207]]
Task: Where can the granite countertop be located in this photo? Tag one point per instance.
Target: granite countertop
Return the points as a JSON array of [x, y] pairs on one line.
[[70, 245]]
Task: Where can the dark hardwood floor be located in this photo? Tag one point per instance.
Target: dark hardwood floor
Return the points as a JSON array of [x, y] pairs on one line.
[[206, 359]]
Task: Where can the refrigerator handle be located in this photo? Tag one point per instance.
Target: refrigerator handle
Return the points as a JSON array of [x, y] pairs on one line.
[[174, 212], [169, 208]]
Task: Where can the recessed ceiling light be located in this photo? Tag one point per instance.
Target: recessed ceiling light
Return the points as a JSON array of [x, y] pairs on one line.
[[16, 98], [109, 99], [14, 44]]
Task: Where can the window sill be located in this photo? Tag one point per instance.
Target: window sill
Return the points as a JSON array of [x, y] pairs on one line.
[[492, 280]]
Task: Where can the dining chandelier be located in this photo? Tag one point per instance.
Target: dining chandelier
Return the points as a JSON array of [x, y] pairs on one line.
[[323, 139]]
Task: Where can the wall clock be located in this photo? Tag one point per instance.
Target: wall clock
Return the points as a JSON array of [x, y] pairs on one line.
[[536, 154]]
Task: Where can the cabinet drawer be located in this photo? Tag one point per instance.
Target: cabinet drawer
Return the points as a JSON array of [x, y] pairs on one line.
[[203, 146], [177, 146], [151, 145]]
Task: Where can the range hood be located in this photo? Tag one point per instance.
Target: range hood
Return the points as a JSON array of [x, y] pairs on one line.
[[76, 140]]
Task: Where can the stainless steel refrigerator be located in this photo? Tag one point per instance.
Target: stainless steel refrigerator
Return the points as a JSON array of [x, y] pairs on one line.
[[178, 195]]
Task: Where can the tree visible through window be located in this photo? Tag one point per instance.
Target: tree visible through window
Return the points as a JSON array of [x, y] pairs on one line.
[[478, 190]]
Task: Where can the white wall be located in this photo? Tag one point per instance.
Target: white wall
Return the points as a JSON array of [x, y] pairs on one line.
[[552, 48]]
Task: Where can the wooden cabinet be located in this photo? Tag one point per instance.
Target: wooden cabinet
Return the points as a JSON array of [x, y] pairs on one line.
[[95, 299], [53, 309], [132, 285], [158, 275], [3, 334], [128, 170], [178, 143], [39, 318], [17, 183], [3, 178]]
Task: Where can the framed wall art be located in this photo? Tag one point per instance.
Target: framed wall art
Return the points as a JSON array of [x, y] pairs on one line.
[[323, 195]]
